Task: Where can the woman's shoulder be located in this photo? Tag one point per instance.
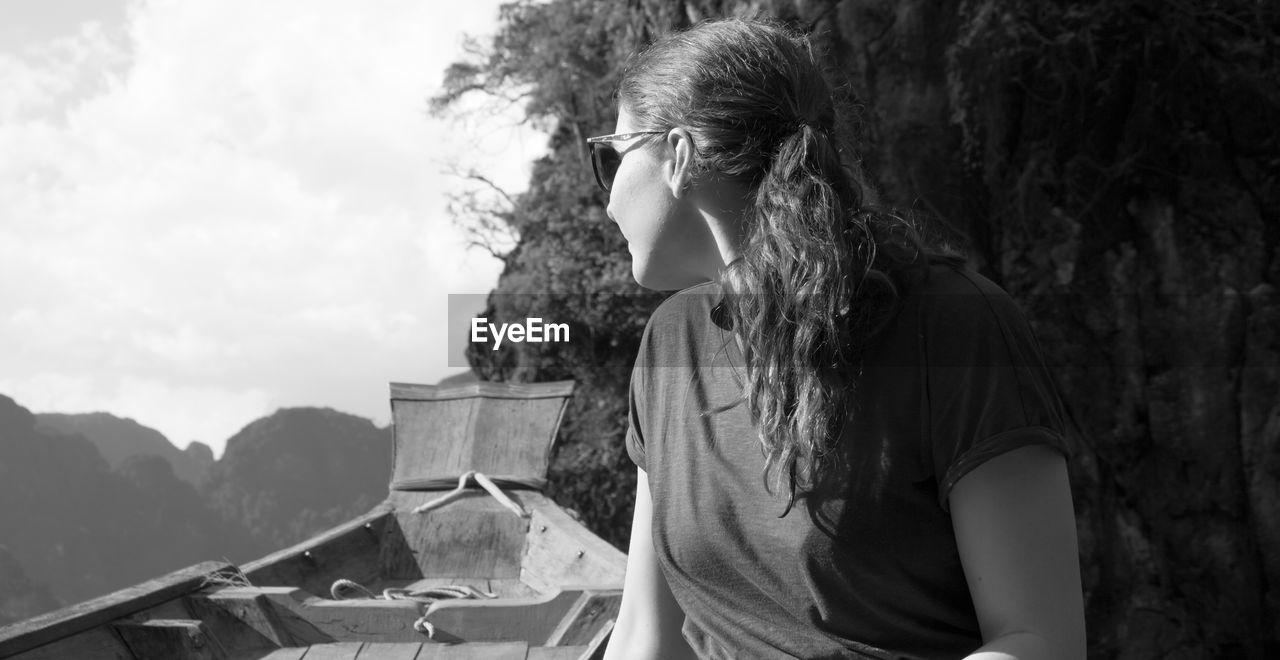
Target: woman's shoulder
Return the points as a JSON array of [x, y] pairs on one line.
[[949, 287], [680, 313], [967, 319], [679, 305]]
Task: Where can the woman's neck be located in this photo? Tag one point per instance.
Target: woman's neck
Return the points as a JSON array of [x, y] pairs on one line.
[[723, 206]]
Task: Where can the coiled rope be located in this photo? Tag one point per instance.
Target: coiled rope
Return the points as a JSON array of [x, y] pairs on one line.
[[344, 589]]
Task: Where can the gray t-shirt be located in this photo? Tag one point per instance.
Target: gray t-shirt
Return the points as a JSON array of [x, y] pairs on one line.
[[869, 568]]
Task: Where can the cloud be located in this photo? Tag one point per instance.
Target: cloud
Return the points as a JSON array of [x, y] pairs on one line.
[[223, 207]]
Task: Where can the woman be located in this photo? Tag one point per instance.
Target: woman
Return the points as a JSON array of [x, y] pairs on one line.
[[848, 446]]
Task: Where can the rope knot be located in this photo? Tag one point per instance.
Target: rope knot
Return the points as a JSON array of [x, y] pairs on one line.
[[485, 483]]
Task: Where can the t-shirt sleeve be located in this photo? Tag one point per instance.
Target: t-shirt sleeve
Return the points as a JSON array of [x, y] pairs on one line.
[[635, 436], [989, 389], [637, 395]]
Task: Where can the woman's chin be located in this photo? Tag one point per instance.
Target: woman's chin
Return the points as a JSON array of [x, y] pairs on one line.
[[643, 276]]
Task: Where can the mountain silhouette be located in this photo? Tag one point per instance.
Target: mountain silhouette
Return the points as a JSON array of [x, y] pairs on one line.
[[79, 527], [119, 439], [300, 471]]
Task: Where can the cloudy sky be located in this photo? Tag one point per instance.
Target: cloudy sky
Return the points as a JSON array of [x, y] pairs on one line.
[[210, 209]]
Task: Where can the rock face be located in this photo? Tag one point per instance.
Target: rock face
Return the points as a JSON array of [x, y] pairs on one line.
[[20, 597], [1121, 182], [199, 457], [299, 471], [79, 527], [119, 439]]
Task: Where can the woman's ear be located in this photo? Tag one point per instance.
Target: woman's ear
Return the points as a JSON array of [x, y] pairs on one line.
[[678, 168]]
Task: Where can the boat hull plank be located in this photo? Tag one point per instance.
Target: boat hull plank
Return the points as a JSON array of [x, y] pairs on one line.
[[246, 619], [473, 537], [500, 587], [96, 643], [510, 619], [308, 619], [477, 651], [159, 639], [335, 651], [381, 651], [586, 618], [556, 653], [74, 619], [350, 550], [288, 653], [174, 609], [560, 551]]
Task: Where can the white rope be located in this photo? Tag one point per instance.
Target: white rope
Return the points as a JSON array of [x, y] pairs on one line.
[[342, 586], [484, 482], [423, 626], [342, 589]]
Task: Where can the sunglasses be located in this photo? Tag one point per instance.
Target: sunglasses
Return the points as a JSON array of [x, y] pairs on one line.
[[606, 159]]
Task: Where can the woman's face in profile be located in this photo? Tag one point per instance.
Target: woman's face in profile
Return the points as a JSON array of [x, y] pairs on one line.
[[670, 249]]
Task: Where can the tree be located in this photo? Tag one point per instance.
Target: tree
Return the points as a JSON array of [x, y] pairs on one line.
[[570, 265], [1116, 167]]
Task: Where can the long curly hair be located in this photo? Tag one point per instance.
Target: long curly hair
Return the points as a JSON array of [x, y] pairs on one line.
[[821, 269]]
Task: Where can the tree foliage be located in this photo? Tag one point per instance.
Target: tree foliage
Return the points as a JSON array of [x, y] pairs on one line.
[[560, 59]]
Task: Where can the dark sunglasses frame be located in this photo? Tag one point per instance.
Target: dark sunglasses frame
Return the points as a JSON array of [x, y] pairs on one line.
[[605, 174]]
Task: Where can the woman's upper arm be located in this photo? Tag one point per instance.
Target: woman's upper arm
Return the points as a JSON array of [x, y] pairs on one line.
[[649, 619], [1015, 532]]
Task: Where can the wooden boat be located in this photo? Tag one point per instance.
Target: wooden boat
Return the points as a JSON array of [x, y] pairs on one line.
[[533, 582]]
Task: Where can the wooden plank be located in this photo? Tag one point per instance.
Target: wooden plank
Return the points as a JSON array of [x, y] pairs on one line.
[[599, 643], [397, 560], [419, 392], [556, 652], [269, 611], [478, 583], [294, 626], [431, 440], [364, 620], [334, 651], [243, 622], [389, 651], [350, 551], [512, 588], [160, 639], [513, 437], [473, 536], [499, 437], [101, 642], [68, 621], [574, 613], [482, 427], [504, 620], [174, 609], [288, 653], [582, 622], [560, 552], [475, 651]]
